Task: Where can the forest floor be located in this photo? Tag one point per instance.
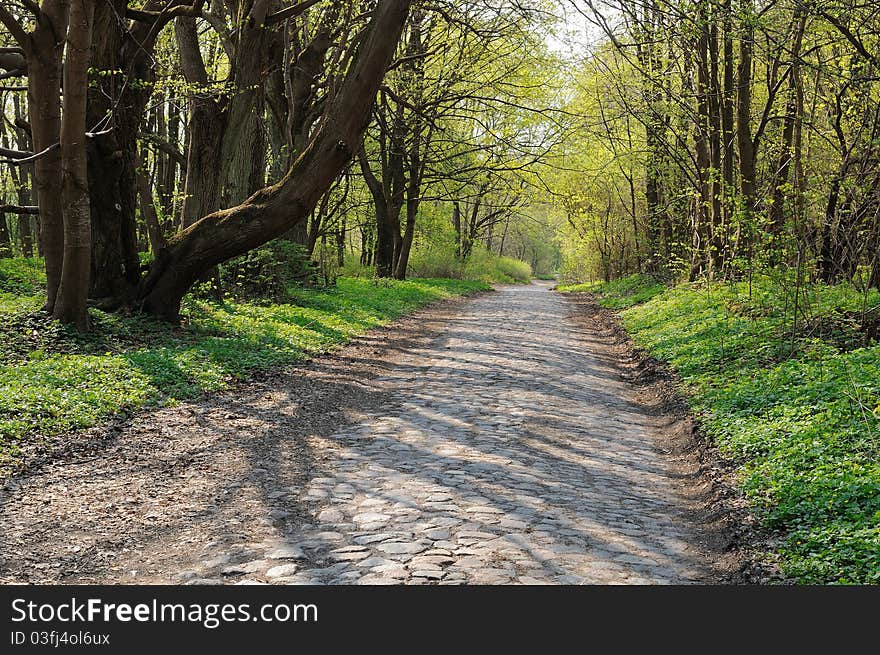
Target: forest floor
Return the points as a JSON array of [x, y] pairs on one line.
[[501, 439]]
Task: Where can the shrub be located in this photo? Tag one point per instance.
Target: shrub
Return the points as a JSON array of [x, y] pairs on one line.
[[489, 267], [799, 415], [354, 268], [622, 293], [269, 272], [437, 261], [514, 268]]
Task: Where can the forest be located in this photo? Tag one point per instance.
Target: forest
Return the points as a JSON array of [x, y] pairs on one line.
[[189, 187]]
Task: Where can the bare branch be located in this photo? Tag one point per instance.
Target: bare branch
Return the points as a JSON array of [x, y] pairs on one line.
[[289, 12], [18, 209], [15, 29]]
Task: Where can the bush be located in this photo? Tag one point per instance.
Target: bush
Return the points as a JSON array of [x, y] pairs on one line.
[[488, 267], [622, 293], [437, 261], [354, 268], [269, 272], [514, 268]]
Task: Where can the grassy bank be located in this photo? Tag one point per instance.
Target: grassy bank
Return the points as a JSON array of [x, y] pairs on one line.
[[797, 407], [53, 380], [619, 294]]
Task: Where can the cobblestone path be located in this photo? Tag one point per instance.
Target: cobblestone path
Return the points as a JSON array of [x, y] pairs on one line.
[[508, 450]]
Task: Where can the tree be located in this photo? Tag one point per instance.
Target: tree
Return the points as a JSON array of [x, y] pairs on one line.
[[270, 212]]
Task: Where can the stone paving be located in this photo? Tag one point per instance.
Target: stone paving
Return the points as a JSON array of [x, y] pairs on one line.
[[512, 455]]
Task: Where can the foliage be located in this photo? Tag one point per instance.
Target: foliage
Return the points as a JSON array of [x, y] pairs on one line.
[[53, 379], [800, 416]]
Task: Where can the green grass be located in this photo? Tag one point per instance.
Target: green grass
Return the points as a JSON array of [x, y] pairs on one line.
[[21, 276], [53, 380], [799, 416], [619, 294]]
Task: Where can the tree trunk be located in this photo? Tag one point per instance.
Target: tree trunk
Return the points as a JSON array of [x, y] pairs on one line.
[[207, 123], [387, 212], [117, 99], [400, 267], [340, 243], [778, 192], [273, 210], [747, 166], [702, 228], [717, 227], [70, 305], [44, 54], [456, 226], [168, 182], [727, 128], [148, 213], [5, 242]]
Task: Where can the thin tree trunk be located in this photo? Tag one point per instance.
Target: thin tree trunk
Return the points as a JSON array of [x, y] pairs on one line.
[[747, 167], [717, 247], [412, 208], [778, 192], [727, 126], [5, 242], [702, 227], [70, 305], [148, 212], [456, 226]]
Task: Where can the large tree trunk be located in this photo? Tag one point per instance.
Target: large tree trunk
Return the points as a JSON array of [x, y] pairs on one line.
[[44, 54], [117, 99], [70, 305], [207, 124], [275, 209], [387, 211]]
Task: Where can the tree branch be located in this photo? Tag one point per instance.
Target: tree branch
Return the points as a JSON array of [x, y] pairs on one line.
[[289, 12], [169, 13], [15, 29], [31, 6], [18, 209], [855, 41], [167, 148], [17, 154]]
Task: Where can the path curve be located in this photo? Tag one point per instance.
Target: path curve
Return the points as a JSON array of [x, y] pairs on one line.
[[504, 449]]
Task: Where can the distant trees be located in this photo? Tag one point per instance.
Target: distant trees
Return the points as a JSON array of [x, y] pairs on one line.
[[730, 135], [444, 123]]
